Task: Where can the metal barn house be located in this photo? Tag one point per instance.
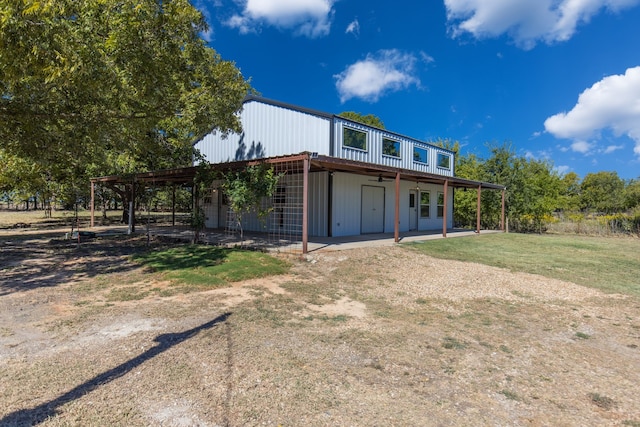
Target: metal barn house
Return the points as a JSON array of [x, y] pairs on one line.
[[340, 177]]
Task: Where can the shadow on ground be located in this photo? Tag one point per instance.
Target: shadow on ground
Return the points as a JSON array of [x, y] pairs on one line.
[[49, 409], [27, 264]]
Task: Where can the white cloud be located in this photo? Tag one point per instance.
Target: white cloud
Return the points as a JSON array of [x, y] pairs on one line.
[[612, 103], [612, 148], [562, 169], [526, 21], [353, 28], [583, 147], [386, 71], [311, 18]]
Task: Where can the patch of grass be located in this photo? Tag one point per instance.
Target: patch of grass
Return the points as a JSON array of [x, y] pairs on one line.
[[510, 395], [608, 264], [451, 343], [601, 401], [631, 423], [210, 266], [582, 336], [505, 349], [126, 294]]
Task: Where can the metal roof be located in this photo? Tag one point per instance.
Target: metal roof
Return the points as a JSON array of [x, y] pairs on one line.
[[183, 176]]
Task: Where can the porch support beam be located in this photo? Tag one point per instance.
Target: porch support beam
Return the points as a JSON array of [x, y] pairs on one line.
[[445, 208], [396, 221], [502, 212], [478, 210], [93, 203], [305, 205], [173, 205]]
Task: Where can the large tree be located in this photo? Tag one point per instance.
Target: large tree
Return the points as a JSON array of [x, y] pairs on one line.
[[96, 86], [602, 192]]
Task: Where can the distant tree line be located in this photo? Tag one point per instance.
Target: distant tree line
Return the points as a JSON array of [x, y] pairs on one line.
[[538, 196]]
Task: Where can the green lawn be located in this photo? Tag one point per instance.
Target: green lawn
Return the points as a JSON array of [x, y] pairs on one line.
[[609, 264], [197, 267]]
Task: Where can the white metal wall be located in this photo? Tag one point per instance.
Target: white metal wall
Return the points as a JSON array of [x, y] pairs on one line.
[[268, 131], [373, 154], [346, 204], [318, 206]]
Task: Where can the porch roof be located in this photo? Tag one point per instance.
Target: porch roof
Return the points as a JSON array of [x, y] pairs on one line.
[[184, 176]]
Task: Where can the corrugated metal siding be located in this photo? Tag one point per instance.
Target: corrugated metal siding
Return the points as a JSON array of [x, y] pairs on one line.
[[268, 131], [347, 209], [374, 155], [318, 204]]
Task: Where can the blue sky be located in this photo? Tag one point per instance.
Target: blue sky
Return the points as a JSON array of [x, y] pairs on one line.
[[558, 79]]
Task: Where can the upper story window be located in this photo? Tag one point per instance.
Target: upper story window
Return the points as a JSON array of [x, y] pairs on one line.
[[390, 147], [444, 161], [420, 155], [354, 139]]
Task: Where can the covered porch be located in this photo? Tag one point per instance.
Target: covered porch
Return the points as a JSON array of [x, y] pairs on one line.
[[301, 165]]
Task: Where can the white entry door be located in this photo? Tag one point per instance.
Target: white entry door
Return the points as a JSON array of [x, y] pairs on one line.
[[372, 210], [413, 210]]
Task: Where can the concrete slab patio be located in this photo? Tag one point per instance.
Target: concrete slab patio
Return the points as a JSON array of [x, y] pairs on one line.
[[316, 244]]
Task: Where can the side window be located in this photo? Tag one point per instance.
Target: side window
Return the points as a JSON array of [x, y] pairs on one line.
[[420, 155], [354, 139], [444, 161], [390, 147], [425, 202], [440, 205]]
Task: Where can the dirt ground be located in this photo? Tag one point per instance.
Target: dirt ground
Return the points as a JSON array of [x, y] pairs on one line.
[[366, 337]]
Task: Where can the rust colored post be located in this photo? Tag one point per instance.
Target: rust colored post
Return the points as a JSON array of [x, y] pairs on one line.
[[173, 205], [478, 210], [396, 222], [92, 203], [305, 205], [502, 213], [444, 208]]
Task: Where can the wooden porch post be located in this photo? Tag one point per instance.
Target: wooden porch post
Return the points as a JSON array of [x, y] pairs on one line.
[[444, 208], [173, 205], [396, 222], [305, 205], [92, 203], [502, 213], [478, 210]]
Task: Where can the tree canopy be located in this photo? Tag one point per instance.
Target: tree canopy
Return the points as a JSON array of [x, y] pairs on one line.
[[94, 86], [369, 119]]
